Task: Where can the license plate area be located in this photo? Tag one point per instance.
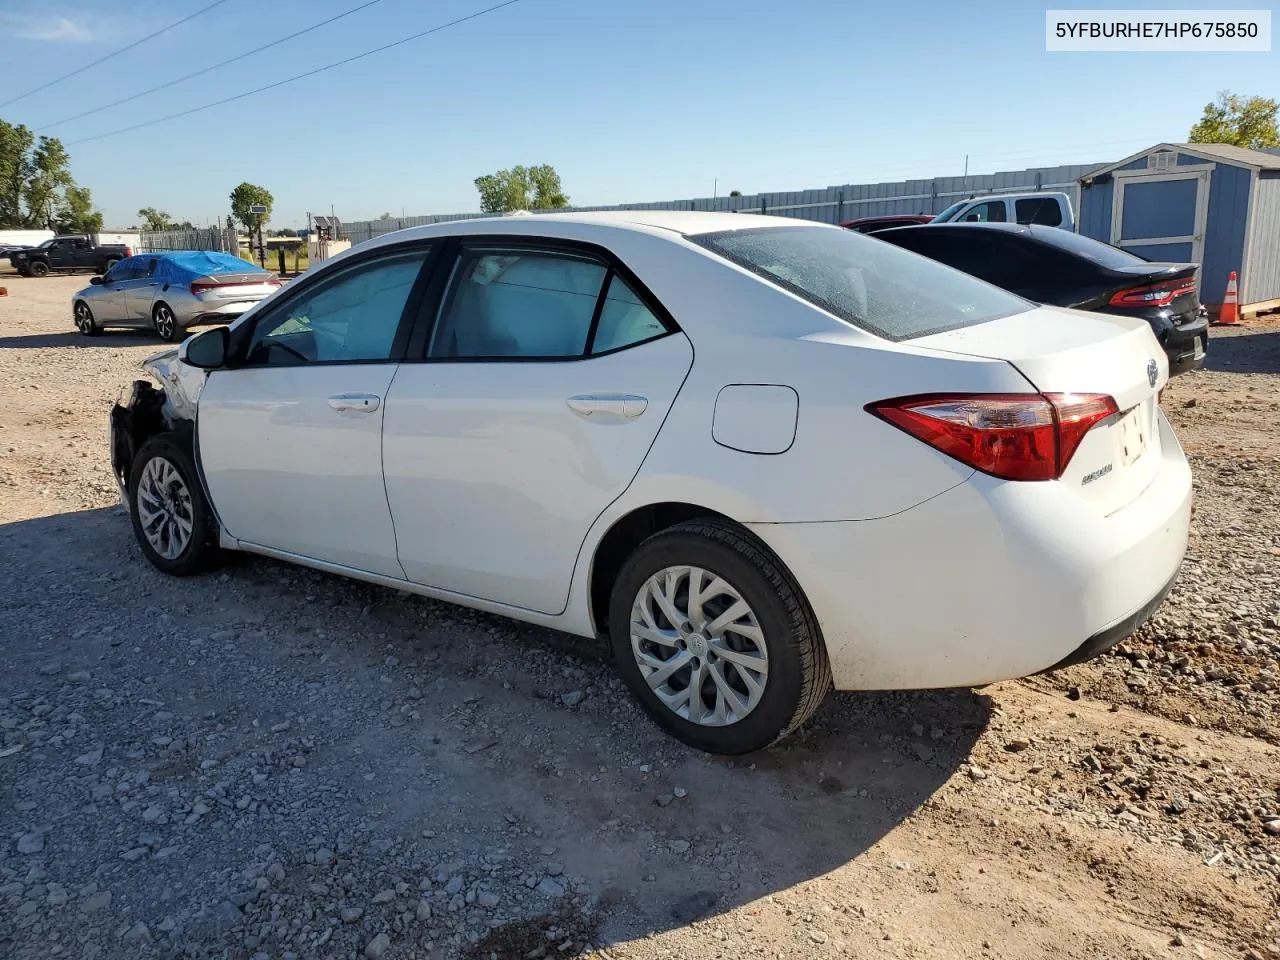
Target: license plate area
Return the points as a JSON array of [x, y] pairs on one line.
[[1133, 431]]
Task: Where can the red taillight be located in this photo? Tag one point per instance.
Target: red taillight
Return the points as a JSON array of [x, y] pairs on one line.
[[1153, 294], [1014, 436], [205, 284], [128, 251]]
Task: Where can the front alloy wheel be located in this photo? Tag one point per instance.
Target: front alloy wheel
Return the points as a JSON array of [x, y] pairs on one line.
[[164, 508], [171, 520]]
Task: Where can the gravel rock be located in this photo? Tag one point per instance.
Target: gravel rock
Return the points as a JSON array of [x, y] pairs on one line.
[[31, 842], [549, 888], [377, 946]]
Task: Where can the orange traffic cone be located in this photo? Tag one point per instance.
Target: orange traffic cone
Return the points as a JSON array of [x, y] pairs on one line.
[[1229, 316]]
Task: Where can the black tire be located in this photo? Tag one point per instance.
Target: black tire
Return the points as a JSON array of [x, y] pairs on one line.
[[201, 550], [84, 320], [799, 673], [39, 268], [166, 324], [24, 271]]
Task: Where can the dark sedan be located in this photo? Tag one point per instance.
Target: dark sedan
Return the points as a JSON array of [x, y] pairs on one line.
[[1064, 269]]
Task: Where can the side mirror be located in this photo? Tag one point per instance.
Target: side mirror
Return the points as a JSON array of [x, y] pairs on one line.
[[207, 350], [97, 281]]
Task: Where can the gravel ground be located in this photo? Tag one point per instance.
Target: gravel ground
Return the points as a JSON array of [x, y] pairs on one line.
[[266, 762]]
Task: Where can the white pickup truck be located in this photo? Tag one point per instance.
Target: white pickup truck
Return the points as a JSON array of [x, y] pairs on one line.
[[1048, 209]]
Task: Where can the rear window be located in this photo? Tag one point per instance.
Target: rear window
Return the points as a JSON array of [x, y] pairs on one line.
[[878, 287], [1095, 251], [1042, 210]]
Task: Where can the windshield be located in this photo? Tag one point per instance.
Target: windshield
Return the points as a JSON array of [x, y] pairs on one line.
[[950, 212], [876, 286], [47, 243]]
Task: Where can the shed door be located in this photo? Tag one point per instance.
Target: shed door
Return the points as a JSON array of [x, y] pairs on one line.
[[1161, 217]]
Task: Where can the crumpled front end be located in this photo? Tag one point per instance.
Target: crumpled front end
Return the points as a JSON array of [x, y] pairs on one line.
[[152, 409]]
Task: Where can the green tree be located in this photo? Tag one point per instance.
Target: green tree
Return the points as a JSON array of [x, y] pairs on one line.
[[48, 175], [1241, 121], [385, 216], [15, 152], [735, 193], [77, 214], [247, 195], [156, 221], [521, 188], [36, 186]]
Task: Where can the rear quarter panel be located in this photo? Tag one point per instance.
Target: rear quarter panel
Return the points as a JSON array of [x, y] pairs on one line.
[[844, 463]]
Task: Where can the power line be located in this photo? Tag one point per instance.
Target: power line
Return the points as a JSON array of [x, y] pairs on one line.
[[150, 36], [299, 76], [198, 73]]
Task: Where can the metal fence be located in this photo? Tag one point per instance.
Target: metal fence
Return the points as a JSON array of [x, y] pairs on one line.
[[827, 205], [222, 239]]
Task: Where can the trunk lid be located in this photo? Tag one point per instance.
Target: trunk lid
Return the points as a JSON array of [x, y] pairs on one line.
[[252, 285], [1070, 351]]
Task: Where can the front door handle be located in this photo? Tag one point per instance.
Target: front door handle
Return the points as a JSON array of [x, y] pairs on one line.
[[625, 406], [355, 402]]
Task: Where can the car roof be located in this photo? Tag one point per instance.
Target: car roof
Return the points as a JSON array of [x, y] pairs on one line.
[[1015, 228], [588, 225]]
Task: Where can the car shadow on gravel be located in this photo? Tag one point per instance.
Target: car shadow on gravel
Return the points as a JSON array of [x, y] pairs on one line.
[[447, 742], [1244, 352], [108, 338]]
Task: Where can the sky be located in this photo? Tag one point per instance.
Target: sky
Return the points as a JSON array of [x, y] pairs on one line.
[[630, 100]]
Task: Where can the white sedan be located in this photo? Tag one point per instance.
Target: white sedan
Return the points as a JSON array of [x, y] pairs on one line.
[[759, 457]]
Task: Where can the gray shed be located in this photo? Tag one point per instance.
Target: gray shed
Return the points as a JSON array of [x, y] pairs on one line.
[[1208, 203]]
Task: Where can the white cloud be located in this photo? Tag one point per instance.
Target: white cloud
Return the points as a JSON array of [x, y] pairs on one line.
[[56, 29]]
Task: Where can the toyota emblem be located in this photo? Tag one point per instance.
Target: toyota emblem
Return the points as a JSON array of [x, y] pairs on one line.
[[1153, 372]]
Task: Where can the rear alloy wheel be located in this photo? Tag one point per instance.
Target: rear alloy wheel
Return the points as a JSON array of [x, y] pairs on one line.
[[84, 320], [39, 268], [166, 323], [715, 638], [171, 520]]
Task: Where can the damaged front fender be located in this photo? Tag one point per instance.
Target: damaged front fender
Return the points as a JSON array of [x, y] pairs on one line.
[[151, 410], [182, 383]]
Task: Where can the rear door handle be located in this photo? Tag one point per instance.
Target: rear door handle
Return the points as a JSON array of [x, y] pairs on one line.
[[625, 406], [355, 402]]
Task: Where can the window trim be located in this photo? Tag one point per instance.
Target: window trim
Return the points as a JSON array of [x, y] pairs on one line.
[[433, 246], [434, 303]]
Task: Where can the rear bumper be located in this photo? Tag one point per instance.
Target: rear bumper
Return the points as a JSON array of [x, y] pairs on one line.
[[987, 581], [197, 312], [1187, 343], [1104, 640]]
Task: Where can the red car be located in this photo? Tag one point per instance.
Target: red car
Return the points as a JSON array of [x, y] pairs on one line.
[[872, 224]]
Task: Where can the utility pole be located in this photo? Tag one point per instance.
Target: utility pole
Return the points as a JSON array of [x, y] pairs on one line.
[[966, 165], [715, 188]]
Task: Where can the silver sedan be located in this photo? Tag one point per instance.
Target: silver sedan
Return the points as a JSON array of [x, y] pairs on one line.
[[170, 291]]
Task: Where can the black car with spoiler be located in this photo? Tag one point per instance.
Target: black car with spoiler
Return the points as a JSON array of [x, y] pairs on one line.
[[1063, 269]]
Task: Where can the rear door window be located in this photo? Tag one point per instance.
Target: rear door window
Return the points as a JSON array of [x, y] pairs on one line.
[[870, 284]]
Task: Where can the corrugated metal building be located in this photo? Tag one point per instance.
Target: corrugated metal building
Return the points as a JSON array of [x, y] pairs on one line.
[[1208, 203], [827, 204]]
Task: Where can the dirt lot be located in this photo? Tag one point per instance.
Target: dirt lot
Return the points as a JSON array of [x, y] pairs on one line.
[[266, 762]]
